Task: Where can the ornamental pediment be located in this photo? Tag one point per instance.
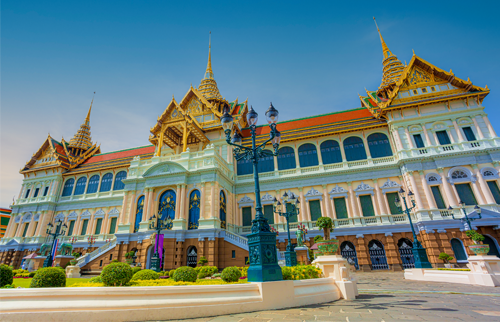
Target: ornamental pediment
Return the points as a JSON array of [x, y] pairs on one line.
[[164, 168]]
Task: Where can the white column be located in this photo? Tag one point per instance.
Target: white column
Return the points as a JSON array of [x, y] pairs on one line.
[[352, 201], [489, 126], [303, 211], [418, 199], [378, 194], [367, 148], [477, 192], [479, 132], [202, 201], [452, 139], [408, 137], [427, 190], [320, 157], [484, 187], [124, 207], [426, 134], [375, 206], [327, 202], [459, 131], [213, 201]]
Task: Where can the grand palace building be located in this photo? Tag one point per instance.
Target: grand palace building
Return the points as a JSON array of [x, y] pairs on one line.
[[424, 130]]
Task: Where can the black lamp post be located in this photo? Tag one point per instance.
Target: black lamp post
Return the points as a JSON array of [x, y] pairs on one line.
[[290, 254], [158, 224], [60, 229], [261, 242], [419, 253], [466, 218]]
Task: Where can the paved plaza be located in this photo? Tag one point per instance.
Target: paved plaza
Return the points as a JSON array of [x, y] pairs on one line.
[[386, 296]]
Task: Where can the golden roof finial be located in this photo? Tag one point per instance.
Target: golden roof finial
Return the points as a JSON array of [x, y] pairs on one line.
[[209, 74], [87, 119], [82, 139], [385, 49], [208, 87]]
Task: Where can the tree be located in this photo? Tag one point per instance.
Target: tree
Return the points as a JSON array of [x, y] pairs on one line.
[[326, 224], [203, 260]]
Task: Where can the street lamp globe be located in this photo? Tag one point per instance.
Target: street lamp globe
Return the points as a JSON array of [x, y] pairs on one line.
[[397, 202], [252, 117], [477, 209], [227, 121], [272, 115], [236, 138], [277, 138], [401, 192]]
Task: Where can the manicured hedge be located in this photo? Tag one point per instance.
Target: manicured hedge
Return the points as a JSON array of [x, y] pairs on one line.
[[96, 279], [207, 271], [49, 277], [171, 273], [116, 274], [185, 274], [6, 275], [231, 274], [145, 274], [300, 272]]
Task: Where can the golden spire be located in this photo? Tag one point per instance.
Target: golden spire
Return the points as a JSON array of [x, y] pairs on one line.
[[82, 140], [385, 49], [208, 86]]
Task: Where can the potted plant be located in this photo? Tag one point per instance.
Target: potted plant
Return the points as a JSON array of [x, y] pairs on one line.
[[314, 247], [327, 246], [129, 257], [478, 248], [446, 259], [203, 260], [74, 260]]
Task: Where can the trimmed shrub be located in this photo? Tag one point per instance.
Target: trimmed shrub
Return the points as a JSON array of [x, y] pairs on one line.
[[231, 274], [136, 269], [96, 279], [163, 273], [287, 272], [171, 273], [244, 271], [207, 271], [203, 260], [116, 274], [49, 277], [185, 274], [115, 261], [300, 272], [146, 274], [6, 275]]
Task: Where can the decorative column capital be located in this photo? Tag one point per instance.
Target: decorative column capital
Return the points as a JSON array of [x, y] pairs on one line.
[[300, 190], [421, 172], [440, 170], [349, 183], [474, 166], [324, 186]]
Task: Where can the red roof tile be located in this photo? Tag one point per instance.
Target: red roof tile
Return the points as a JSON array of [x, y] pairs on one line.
[[121, 154]]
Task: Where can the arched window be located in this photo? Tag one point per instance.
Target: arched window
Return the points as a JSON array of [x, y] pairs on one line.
[[308, 155], [80, 186], [354, 149], [244, 167], [68, 187], [493, 246], [330, 152], [458, 249], [379, 145], [93, 184], [459, 174], [166, 205], [286, 158], [138, 214], [266, 162], [222, 210], [106, 182], [119, 185], [194, 209]]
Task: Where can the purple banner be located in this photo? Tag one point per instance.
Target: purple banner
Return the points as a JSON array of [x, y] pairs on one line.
[[159, 248]]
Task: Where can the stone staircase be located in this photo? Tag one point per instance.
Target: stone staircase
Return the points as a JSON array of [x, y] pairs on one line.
[[87, 258], [235, 239]]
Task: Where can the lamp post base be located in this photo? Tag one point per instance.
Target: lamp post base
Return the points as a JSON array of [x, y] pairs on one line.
[[155, 263], [48, 261], [263, 258], [291, 258], [420, 257]]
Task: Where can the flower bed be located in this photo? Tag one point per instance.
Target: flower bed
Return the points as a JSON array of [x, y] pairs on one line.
[[164, 282]]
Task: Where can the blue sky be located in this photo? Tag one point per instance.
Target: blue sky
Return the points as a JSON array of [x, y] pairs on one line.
[[306, 57]]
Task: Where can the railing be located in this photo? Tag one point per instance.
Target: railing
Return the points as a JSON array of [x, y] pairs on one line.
[[447, 147], [237, 239], [84, 260]]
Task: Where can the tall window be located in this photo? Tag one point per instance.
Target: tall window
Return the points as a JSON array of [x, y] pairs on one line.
[[26, 229], [269, 214], [494, 191], [247, 216], [390, 200], [166, 205], [443, 137], [222, 210], [330, 152], [119, 185], [465, 193], [98, 226], [315, 209], [458, 249], [438, 198], [68, 187], [308, 155], [354, 149], [469, 134], [80, 186], [418, 141], [46, 191], [379, 145], [266, 163], [286, 158], [112, 226], [34, 230], [37, 190], [340, 208], [244, 167], [106, 182], [27, 193], [93, 184], [194, 209], [71, 227], [84, 227], [293, 218], [367, 206], [138, 213]]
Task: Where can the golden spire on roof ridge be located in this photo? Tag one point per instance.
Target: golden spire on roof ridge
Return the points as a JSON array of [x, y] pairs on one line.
[[386, 51], [208, 87], [87, 119], [209, 73], [82, 139]]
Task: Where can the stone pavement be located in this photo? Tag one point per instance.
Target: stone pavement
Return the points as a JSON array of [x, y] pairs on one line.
[[387, 296]]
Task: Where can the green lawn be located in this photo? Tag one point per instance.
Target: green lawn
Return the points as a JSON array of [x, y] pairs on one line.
[[25, 282]]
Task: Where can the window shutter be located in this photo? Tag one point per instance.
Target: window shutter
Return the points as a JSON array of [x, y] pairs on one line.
[[443, 137], [269, 214], [418, 141], [315, 208], [465, 193], [469, 134], [438, 197], [112, 227], [84, 227], [367, 206], [98, 226], [71, 227], [247, 216], [494, 191], [340, 208], [392, 206]]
